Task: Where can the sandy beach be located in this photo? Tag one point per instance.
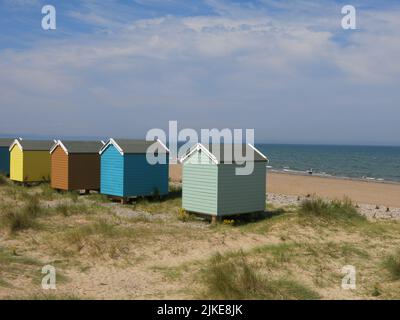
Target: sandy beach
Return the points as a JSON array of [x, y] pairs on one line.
[[97, 245], [365, 192]]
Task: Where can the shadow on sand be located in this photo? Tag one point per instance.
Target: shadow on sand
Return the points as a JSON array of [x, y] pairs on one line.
[[244, 219]]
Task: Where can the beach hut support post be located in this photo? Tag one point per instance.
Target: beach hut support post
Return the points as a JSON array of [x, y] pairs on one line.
[[215, 219]]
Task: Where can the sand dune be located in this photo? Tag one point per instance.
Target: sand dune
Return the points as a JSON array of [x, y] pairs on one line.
[[377, 193]]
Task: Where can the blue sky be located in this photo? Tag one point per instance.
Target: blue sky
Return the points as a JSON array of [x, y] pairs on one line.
[[285, 68]]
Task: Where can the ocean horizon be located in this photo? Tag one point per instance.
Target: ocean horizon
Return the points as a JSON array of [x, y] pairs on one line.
[[366, 162], [375, 163]]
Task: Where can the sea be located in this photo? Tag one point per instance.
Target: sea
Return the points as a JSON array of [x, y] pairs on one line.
[[371, 163], [376, 163]]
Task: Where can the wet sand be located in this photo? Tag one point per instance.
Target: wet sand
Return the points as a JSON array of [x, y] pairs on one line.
[[368, 192]]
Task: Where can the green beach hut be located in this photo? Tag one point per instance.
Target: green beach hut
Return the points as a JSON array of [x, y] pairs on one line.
[[214, 183]]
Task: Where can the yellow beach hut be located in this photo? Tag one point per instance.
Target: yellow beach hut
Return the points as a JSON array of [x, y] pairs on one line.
[[30, 160]]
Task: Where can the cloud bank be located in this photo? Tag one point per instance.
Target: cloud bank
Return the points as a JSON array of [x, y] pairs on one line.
[[288, 71]]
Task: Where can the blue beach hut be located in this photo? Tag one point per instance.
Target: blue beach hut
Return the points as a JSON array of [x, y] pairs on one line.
[[126, 172], [5, 156]]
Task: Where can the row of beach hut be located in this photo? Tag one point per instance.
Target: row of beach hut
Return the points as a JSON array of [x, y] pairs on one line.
[[119, 168]]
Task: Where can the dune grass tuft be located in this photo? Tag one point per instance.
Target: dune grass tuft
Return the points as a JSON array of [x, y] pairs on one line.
[[80, 234], [46, 192], [32, 207], [68, 209], [157, 206], [14, 265], [73, 195], [96, 239], [8, 256], [340, 210], [236, 278], [98, 197], [20, 218], [392, 264], [16, 192]]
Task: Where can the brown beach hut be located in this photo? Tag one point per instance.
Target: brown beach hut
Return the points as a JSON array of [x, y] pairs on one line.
[[75, 165]]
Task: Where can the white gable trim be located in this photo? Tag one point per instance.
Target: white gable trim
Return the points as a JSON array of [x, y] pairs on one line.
[[115, 144], [197, 148], [54, 147], [58, 143], [258, 151], [163, 145], [16, 142]]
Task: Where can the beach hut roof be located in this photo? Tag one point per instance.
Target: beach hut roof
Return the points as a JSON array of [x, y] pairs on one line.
[[131, 146], [33, 145], [224, 153], [78, 146], [6, 142]]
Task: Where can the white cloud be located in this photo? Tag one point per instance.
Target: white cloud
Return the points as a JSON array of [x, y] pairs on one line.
[[242, 66]]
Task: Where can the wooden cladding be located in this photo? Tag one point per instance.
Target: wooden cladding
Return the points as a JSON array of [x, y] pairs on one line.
[[59, 169], [80, 171]]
